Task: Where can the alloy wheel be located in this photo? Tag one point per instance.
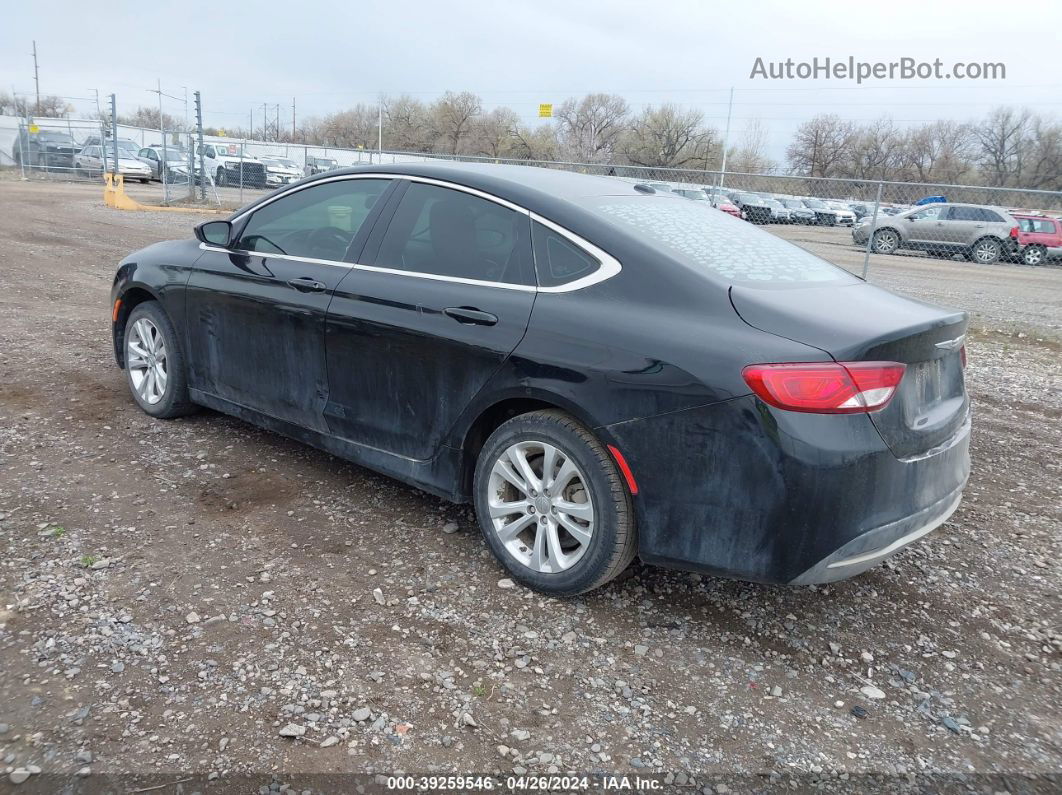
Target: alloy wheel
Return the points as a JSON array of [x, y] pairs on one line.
[[885, 242], [986, 251], [1033, 255], [145, 358], [540, 506]]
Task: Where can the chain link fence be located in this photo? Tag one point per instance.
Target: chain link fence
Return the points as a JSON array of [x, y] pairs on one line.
[[982, 224]]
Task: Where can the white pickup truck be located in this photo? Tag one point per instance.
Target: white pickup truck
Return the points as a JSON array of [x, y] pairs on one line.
[[226, 166]]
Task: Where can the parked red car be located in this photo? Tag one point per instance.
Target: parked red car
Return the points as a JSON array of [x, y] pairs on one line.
[[720, 203], [1039, 238]]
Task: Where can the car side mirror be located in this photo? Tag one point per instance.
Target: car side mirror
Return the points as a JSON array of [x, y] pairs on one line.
[[214, 233]]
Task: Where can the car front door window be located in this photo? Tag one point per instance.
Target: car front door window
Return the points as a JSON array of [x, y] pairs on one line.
[[317, 222]]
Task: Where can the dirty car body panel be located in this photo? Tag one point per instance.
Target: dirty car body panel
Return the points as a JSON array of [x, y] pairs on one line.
[[635, 313]]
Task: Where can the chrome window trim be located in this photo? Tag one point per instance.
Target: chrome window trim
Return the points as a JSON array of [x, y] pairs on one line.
[[292, 257], [609, 265]]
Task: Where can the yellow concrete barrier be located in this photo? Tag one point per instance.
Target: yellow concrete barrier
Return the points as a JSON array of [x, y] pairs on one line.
[[114, 195]]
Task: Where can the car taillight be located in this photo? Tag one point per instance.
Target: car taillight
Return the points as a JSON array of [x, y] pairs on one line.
[[825, 387], [962, 355], [1014, 232]]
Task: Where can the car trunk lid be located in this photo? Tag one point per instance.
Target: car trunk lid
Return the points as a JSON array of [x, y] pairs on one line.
[[864, 323]]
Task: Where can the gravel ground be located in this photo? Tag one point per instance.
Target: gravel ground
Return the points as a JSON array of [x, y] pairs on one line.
[[199, 598]]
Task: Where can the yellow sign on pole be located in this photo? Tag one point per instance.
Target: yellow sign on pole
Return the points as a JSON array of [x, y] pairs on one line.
[[34, 129], [221, 133], [545, 110]]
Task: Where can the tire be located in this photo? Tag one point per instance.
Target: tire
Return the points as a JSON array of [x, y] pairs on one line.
[[986, 251], [222, 178], [586, 560], [147, 328], [1034, 255], [885, 241]]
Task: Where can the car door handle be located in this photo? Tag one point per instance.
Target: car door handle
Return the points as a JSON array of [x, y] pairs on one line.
[[470, 315], [307, 285]]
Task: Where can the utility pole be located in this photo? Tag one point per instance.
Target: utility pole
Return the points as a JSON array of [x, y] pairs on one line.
[[265, 123], [96, 93], [114, 137], [293, 119], [277, 138], [162, 131], [36, 77], [726, 137], [379, 129], [199, 135]]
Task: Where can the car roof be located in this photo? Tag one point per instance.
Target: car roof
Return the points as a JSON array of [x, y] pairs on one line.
[[506, 180]]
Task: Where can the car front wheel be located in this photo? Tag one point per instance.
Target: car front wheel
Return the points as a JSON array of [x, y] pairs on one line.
[[552, 504], [154, 366]]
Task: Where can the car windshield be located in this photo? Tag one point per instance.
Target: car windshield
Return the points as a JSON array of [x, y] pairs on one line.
[[715, 243], [176, 154], [793, 204], [696, 195], [750, 198], [815, 204], [126, 149], [55, 137], [773, 203], [283, 161]]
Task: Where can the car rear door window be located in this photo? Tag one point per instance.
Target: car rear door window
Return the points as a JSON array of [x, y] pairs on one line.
[[318, 222], [964, 214], [445, 232]]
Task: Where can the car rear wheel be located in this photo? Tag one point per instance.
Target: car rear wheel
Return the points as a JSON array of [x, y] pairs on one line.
[[552, 504], [885, 241], [221, 179], [1034, 255], [154, 365], [986, 251]]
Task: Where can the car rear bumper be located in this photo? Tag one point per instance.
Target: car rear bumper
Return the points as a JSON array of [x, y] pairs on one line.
[[742, 490]]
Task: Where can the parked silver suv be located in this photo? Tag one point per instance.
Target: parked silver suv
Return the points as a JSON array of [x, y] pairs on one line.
[[983, 234]]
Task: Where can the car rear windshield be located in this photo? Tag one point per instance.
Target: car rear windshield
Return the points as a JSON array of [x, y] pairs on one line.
[[715, 243]]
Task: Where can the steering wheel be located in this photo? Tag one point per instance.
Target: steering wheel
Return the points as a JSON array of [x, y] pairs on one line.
[[330, 238]]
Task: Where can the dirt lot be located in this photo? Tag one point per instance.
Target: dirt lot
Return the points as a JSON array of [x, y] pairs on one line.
[[177, 596]]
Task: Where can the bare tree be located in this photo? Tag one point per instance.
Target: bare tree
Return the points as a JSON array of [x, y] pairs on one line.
[[494, 134], [355, 128], [750, 156], [149, 118], [1044, 159], [539, 143], [51, 106], [452, 117], [407, 126], [820, 146], [589, 129], [667, 136], [939, 151], [1001, 142], [876, 151]]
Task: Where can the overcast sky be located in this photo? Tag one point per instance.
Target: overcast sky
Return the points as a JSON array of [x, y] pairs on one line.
[[332, 55]]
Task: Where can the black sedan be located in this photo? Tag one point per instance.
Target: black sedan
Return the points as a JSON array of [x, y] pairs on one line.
[[604, 371]]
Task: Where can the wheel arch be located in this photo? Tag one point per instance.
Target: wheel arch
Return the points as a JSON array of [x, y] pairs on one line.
[[475, 431], [131, 297]]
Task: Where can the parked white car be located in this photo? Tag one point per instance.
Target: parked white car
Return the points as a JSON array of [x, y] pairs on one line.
[[226, 165], [91, 162], [280, 170]]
